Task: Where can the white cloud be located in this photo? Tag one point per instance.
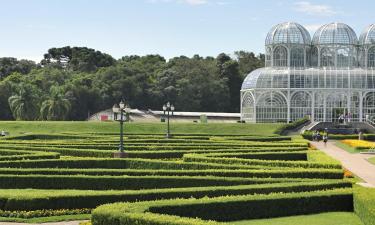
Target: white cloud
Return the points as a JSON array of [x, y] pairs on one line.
[[314, 9], [312, 27]]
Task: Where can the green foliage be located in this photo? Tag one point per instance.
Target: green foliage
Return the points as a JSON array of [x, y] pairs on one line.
[[94, 81], [9, 65], [24, 104], [228, 208], [16, 199], [56, 106], [289, 126], [331, 218], [221, 129], [364, 204], [43, 213]]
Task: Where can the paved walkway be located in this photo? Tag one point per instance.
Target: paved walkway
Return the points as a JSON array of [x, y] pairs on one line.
[[356, 163], [54, 223]]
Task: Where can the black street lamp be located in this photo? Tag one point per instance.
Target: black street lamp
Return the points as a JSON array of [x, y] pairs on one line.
[[168, 108], [120, 112]]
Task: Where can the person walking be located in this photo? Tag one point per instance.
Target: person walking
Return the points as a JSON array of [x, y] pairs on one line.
[[325, 139]]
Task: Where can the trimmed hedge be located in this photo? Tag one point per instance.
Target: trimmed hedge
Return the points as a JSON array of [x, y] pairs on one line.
[[182, 211], [364, 204], [277, 163], [259, 173], [371, 137], [82, 182], [290, 126], [159, 154], [92, 199]]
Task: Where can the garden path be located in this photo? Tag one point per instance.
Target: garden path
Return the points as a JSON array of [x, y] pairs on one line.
[[356, 163], [51, 223]]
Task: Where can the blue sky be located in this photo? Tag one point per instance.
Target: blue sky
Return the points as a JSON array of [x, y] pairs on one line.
[[167, 27]]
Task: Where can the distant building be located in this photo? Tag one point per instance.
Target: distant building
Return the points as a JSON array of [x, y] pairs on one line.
[[155, 116], [328, 77]]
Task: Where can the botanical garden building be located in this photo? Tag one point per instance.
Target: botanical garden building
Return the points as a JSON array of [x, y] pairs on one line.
[[328, 76]]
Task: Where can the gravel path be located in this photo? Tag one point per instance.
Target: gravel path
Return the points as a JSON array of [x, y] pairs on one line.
[[52, 223], [356, 163]]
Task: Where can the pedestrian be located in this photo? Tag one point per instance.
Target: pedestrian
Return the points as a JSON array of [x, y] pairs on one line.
[[318, 136], [314, 135], [325, 139]]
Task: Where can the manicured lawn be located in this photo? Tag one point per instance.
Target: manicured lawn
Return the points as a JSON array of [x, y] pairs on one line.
[[346, 147], [372, 160], [20, 127], [335, 218], [47, 219]]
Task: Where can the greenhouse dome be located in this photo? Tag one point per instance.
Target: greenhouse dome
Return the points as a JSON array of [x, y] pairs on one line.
[[322, 86], [286, 45], [367, 47]]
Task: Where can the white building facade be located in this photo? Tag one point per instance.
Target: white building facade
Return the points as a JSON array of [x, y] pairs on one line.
[[328, 77]]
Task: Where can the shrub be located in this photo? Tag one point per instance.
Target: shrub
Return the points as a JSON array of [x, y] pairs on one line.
[[364, 204], [228, 208], [91, 199], [290, 126]]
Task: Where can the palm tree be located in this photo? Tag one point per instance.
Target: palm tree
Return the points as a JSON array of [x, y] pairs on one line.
[[24, 104], [57, 106]]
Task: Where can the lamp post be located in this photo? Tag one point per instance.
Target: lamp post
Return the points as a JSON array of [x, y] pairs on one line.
[[119, 111], [167, 108]]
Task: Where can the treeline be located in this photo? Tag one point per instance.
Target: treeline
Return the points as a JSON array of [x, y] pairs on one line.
[[71, 83]]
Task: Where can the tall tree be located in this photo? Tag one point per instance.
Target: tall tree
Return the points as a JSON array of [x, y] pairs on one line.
[[9, 65], [77, 58], [229, 69], [56, 106], [25, 102], [248, 62]]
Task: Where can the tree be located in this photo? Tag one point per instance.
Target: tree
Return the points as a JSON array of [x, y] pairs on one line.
[[57, 106], [77, 59], [25, 103], [229, 70], [248, 62], [9, 65]]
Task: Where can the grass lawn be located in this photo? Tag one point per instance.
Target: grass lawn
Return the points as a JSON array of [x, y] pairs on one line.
[[334, 218], [20, 127], [47, 219], [372, 160], [346, 147]]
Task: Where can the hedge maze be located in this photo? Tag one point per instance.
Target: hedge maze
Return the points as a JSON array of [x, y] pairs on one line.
[[189, 179]]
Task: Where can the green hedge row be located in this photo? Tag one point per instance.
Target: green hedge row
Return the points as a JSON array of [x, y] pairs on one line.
[[160, 154], [266, 139], [83, 182], [269, 163], [9, 155], [119, 164], [283, 156], [371, 137], [150, 147], [91, 199], [259, 173], [290, 126], [364, 204], [198, 211]]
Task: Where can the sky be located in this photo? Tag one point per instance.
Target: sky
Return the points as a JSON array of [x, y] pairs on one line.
[[166, 27]]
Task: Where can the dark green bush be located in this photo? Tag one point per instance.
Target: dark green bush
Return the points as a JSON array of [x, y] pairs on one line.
[[290, 126], [222, 208], [364, 204], [93, 199]]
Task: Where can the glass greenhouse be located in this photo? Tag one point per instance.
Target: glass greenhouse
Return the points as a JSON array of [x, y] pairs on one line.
[[327, 77]]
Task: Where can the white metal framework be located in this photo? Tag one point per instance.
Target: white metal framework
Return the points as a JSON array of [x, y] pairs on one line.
[[330, 76]]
